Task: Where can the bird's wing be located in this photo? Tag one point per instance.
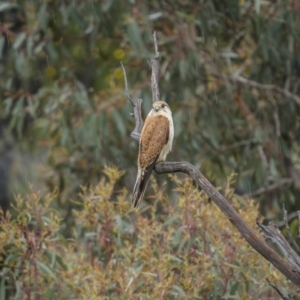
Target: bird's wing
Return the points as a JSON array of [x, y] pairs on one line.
[[154, 136]]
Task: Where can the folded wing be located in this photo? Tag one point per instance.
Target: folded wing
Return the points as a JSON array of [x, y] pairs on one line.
[[154, 137]]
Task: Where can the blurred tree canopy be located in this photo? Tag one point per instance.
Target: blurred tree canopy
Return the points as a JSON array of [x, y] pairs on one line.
[[229, 70]]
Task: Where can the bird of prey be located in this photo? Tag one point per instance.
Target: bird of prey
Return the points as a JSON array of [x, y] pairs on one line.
[[155, 143]]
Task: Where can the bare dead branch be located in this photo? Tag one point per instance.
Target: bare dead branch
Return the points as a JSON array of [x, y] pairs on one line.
[[126, 84], [265, 87], [184, 167], [154, 64], [237, 221], [269, 188], [137, 110], [274, 234], [289, 218], [275, 287], [155, 45], [287, 227], [135, 134]]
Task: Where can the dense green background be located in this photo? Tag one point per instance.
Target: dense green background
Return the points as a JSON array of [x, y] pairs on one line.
[[64, 114], [230, 71]]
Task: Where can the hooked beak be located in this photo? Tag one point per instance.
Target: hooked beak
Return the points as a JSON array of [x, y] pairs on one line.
[[156, 108]]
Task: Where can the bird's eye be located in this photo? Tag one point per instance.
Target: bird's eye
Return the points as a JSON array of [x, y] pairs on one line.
[[163, 105]]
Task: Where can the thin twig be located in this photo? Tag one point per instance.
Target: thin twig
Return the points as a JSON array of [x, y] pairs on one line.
[[275, 287], [135, 134], [154, 64], [287, 227], [155, 45], [266, 87], [125, 76], [274, 234], [269, 188], [290, 218], [126, 84], [137, 110]]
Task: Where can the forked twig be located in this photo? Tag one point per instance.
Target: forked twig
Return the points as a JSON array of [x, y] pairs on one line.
[[275, 287], [289, 218], [272, 233], [137, 110]]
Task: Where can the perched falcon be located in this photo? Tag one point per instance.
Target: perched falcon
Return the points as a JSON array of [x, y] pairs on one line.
[[155, 143]]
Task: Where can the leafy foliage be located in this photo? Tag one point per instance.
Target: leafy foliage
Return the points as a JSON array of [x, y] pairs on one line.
[[62, 88], [190, 252], [64, 118]]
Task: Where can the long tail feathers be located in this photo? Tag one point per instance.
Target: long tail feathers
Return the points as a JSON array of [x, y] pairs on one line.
[[141, 184]]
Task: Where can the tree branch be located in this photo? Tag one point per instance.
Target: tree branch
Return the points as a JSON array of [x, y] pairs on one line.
[[274, 234], [126, 84], [184, 167], [137, 111], [259, 245], [269, 188], [266, 87], [154, 64], [289, 218], [275, 287]]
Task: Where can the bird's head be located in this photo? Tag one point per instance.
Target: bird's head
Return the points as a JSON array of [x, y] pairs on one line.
[[161, 106]]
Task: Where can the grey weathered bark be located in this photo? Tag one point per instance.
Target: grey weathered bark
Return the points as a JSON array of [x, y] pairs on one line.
[[154, 64]]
